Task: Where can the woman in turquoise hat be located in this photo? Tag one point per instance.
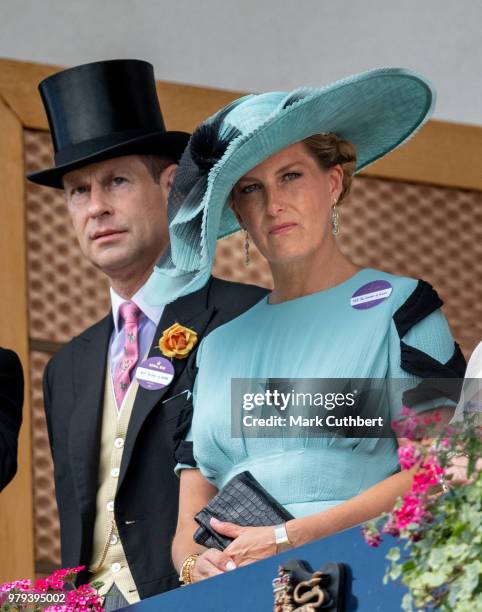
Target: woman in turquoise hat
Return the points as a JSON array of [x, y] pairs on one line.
[[279, 165]]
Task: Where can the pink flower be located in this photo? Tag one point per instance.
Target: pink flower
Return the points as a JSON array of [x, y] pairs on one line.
[[55, 583], [391, 528], [409, 424], [411, 512], [372, 537], [407, 412], [408, 455], [84, 598], [21, 585], [429, 475], [41, 585]]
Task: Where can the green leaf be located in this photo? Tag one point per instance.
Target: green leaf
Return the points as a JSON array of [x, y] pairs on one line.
[[435, 579], [407, 603], [97, 584], [470, 579], [408, 566], [395, 572], [393, 554], [459, 529], [437, 557]]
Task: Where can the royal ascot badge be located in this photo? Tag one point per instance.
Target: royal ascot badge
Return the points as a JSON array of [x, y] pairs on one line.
[[155, 373], [177, 341], [370, 295]]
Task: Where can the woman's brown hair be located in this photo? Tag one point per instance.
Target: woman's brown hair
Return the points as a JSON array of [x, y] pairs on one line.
[[329, 150]]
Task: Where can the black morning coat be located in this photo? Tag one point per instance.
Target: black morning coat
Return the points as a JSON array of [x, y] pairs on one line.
[[11, 402], [146, 502]]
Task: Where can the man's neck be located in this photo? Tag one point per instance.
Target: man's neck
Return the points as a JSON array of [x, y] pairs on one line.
[[127, 286]]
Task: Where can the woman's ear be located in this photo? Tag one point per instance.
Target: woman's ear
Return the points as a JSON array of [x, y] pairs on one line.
[[233, 207], [335, 178]]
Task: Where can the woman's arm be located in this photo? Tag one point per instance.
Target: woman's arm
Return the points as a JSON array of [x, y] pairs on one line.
[[195, 493], [367, 505], [254, 543]]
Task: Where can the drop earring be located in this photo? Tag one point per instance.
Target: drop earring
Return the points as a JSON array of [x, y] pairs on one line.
[[247, 258], [335, 218]]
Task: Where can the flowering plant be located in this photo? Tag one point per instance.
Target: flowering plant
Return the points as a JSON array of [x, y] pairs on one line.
[[56, 593], [438, 522]]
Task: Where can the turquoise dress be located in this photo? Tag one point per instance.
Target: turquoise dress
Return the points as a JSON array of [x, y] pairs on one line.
[[341, 332]]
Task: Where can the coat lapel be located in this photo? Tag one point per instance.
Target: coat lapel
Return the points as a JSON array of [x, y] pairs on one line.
[[89, 369], [192, 311]]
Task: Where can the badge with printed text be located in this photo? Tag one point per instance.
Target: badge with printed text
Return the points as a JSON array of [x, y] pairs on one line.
[[371, 294], [155, 373]]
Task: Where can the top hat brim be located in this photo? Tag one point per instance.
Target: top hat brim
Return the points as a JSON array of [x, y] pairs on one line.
[[170, 144]]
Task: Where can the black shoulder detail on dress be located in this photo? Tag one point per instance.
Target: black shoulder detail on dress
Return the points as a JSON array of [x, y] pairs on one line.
[[439, 380], [420, 364], [421, 302]]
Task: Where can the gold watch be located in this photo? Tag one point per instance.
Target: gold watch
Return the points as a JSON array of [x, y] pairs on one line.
[[185, 577]]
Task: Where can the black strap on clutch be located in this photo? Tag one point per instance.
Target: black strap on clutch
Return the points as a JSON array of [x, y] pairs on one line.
[[242, 501]]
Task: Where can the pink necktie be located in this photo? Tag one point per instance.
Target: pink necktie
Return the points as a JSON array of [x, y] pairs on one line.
[[129, 313]]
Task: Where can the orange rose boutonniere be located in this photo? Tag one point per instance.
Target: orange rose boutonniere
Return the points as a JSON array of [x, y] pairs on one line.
[[177, 341]]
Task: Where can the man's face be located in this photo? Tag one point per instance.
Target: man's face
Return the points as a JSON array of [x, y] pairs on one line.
[[119, 214]]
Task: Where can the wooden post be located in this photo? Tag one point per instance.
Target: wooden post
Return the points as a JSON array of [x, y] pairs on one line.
[[16, 512]]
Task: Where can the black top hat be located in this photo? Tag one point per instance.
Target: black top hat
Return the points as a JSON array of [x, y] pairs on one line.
[[102, 110]]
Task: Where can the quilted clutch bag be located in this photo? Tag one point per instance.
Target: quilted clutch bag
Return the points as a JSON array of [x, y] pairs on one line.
[[242, 501]]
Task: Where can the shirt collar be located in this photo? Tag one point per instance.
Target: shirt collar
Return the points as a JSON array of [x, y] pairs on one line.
[[153, 313]]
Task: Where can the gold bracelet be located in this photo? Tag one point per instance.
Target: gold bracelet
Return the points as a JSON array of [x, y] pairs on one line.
[[186, 568]]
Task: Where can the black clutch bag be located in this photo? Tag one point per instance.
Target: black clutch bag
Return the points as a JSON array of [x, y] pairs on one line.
[[242, 501]]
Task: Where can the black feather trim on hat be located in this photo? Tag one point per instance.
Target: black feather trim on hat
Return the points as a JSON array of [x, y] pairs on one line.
[[207, 146]]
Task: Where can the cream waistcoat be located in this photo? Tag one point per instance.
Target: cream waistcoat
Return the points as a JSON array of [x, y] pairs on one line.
[[108, 563]]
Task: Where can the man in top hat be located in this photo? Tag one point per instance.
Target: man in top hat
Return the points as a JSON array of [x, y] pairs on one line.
[[11, 402], [115, 396]]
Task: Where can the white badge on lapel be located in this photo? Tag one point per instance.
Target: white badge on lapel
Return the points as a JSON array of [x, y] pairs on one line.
[[155, 373]]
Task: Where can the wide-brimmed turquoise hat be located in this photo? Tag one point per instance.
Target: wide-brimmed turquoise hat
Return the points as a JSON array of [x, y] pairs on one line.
[[376, 110]]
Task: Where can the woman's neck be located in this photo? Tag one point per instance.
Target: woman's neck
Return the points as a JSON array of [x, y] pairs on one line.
[[316, 272]]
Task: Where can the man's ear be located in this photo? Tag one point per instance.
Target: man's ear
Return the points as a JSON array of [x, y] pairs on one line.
[[167, 179]]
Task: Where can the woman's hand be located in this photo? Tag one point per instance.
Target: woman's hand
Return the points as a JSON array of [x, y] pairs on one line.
[[457, 469], [211, 563], [250, 543]]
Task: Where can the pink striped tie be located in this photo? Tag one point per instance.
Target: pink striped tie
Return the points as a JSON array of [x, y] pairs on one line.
[[129, 313]]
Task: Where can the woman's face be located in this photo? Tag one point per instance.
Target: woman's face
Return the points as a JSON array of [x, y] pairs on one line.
[[285, 204]]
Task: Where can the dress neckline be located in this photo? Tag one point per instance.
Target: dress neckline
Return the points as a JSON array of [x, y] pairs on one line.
[[317, 293]]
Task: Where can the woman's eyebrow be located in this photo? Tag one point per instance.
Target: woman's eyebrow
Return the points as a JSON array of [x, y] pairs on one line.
[[289, 166], [247, 178], [279, 171]]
